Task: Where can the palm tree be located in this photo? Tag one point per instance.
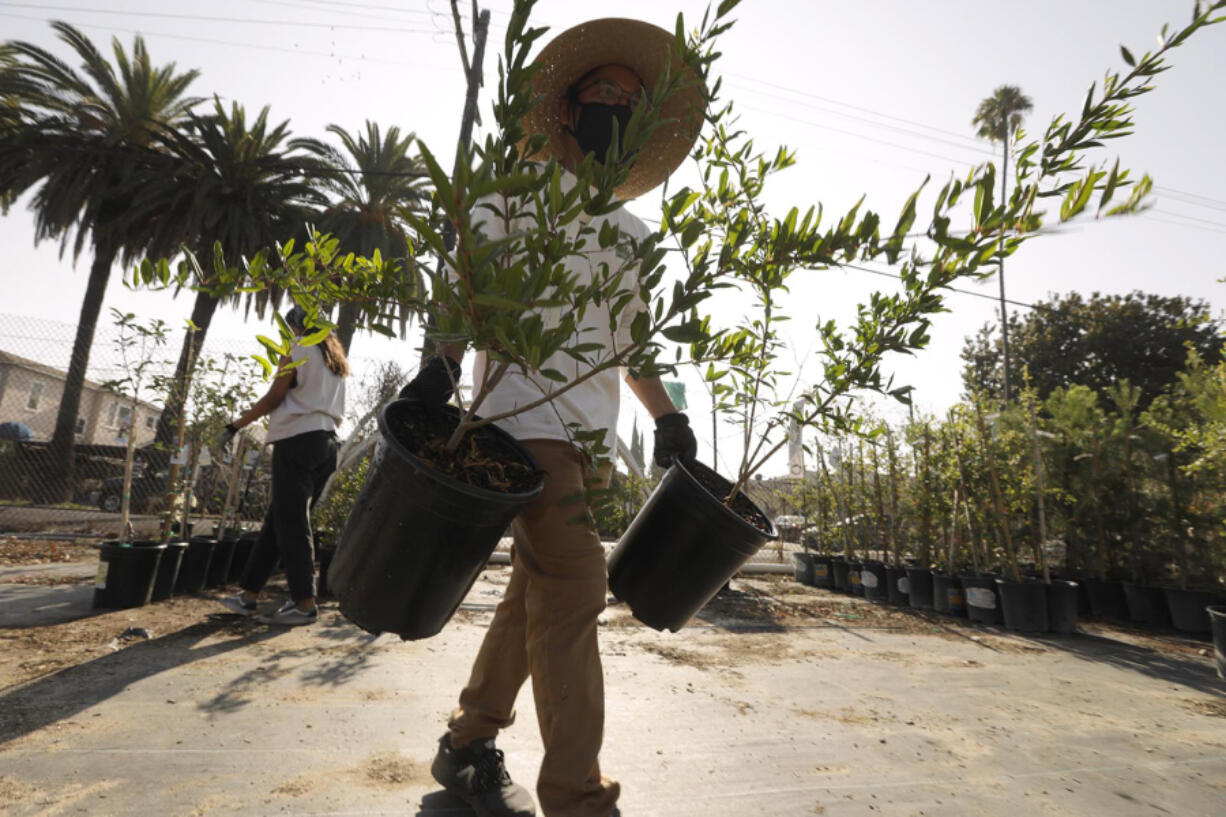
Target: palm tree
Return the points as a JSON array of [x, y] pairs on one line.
[[83, 134], [226, 182], [369, 182], [998, 118]]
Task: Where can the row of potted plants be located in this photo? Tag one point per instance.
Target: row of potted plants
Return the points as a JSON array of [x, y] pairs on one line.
[[1031, 605], [135, 573]]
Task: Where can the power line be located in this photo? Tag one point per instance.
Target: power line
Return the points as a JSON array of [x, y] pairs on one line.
[[858, 135], [209, 19], [1148, 217], [257, 47], [896, 128], [970, 292], [1217, 224], [1191, 198]]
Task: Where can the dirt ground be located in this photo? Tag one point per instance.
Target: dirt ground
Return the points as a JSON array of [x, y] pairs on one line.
[[777, 699], [14, 551]]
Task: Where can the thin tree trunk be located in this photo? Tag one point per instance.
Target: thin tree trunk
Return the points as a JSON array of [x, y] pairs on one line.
[[125, 507], [1004, 313], [63, 440]]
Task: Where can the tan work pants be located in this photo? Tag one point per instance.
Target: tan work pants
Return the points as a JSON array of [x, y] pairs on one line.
[[545, 628]]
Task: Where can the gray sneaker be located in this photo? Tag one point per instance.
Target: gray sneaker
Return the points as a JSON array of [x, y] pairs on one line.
[[477, 775], [290, 616], [238, 604]]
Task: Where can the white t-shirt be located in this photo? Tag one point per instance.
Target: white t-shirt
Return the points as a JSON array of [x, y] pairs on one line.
[[315, 403], [594, 403]]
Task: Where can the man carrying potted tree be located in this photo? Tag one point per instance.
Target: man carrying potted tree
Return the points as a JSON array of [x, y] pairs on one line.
[[590, 80]]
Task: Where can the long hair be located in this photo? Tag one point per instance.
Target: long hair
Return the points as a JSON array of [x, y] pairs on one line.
[[329, 347], [334, 356]]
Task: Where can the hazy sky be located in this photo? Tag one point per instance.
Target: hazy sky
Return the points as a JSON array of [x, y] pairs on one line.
[[872, 96]]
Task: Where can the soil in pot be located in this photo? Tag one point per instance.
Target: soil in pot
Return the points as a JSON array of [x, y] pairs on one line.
[[1062, 606], [1106, 599], [168, 571], [919, 588], [424, 524], [823, 572], [194, 568], [897, 585], [1187, 608], [872, 576], [840, 570], [126, 571], [1024, 605], [982, 599], [803, 564], [1146, 605], [1217, 622], [684, 545]]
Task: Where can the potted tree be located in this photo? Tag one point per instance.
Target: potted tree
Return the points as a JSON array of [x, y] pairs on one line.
[[127, 566]]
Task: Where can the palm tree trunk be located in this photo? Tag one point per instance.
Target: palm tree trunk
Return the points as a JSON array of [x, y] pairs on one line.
[[346, 320], [1004, 314], [63, 440], [202, 315]]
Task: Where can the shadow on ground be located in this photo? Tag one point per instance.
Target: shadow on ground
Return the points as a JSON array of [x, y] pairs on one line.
[[63, 694], [1169, 667]]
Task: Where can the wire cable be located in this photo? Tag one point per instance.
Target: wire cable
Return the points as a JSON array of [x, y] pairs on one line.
[[208, 19]]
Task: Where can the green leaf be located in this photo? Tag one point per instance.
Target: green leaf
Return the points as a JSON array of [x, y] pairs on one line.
[[1128, 58]]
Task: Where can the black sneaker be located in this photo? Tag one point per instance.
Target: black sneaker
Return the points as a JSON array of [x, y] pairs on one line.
[[477, 775]]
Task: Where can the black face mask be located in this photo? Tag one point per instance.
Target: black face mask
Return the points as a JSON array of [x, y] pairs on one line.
[[595, 130]]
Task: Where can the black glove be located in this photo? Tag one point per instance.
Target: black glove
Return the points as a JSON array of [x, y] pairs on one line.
[[674, 439], [431, 386], [227, 436]]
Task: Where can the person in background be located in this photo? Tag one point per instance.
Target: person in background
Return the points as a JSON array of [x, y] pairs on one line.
[[304, 405], [590, 78]]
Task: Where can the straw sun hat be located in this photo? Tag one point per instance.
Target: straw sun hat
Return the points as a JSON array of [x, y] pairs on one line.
[[646, 50]]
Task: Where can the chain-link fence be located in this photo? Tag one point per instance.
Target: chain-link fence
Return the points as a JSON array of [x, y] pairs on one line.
[[34, 356]]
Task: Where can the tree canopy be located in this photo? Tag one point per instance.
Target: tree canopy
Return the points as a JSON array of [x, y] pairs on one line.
[[1095, 342]]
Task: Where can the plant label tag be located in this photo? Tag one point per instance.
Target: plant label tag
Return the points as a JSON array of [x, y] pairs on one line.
[[820, 571], [904, 586], [981, 597], [100, 579], [868, 578]]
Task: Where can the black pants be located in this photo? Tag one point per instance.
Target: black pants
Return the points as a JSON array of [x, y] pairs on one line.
[[301, 466]]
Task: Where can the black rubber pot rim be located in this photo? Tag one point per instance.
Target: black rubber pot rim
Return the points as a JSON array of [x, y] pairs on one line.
[[501, 497], [683, 472]]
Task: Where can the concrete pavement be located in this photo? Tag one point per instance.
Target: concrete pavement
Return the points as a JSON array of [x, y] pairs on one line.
[[838, 714]]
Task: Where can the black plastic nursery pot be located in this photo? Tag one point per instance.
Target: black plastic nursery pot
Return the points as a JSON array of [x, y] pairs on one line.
[[1217, 621], [840, 571], [684, 545], [823, 572], [1023, 605], [947, 594], [1146, 605], [897, 585], [416, 538], [982, 599], [126, 571], [919, 588], [1062, 606], [803, 563], [242, 552], [872, 577], [1188, 609], [325, 554], [168, 571], [219, 565], [194, 569], [1106, 599], [855, 578]]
